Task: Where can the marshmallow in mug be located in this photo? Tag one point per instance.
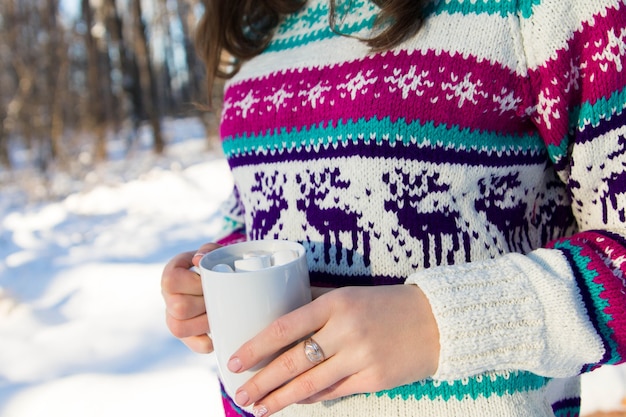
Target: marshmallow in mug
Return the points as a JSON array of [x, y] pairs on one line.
[[257, 260]]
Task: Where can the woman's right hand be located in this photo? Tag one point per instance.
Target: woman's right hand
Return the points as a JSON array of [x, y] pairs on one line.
[[184, 303]]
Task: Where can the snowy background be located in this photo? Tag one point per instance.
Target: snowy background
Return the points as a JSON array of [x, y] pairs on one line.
[[82, 330]]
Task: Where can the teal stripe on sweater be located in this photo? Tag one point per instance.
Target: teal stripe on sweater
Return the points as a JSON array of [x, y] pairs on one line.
[[313, 16], [502, 7], [595, 289], [593, 113], [377, 131], [589, 114], [484, 385]]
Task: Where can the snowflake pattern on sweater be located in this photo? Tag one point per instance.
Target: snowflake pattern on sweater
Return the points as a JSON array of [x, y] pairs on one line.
[[483, 159]]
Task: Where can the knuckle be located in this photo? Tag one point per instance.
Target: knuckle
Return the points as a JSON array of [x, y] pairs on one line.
[[279, 329], [198, 345], [170, 280], [253, 388], [176, 327], [342, 298], [249, 351], [167, 281], [307, 386], [179, 309], [289, 364]]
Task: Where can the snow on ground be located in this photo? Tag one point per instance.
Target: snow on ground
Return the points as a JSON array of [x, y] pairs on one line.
[[82, 329], [82, 332]]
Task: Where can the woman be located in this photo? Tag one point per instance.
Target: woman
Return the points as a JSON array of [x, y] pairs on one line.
[[473, 151]]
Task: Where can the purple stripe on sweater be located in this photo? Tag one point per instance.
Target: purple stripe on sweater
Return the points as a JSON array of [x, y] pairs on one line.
[[597, 280], [603, 250], [591, 132], [568, 407], [588, 302], [386, 149]]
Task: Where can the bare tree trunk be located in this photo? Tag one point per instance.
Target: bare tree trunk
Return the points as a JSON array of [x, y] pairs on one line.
[[5, 159], [26, 82], [198, 91], [190, 90], [48, 85], [127, 67], [6, 10], [146, 76], [131, 98], [96, 112], [57, 122], [55, 70], [169, 100], [23, 74]]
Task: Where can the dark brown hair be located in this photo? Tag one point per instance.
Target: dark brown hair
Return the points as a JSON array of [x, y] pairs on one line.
[[243, 28]]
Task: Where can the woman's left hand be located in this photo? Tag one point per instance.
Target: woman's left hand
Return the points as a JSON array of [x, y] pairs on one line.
[[373, 338]]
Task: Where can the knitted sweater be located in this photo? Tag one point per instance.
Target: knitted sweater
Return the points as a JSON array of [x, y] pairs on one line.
[[483, 160]]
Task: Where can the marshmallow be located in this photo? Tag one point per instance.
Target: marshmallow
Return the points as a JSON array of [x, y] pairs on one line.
[[283, 257], [253, 263]]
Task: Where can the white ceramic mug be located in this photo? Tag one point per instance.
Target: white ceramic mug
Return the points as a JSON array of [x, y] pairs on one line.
[[241, 304]]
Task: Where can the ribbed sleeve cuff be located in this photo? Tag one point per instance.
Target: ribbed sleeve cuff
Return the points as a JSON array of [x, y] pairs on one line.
[[515, 312]]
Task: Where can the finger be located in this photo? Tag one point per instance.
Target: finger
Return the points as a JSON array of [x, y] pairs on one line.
[[323, 395], [195, 326], [282, 332], [178, 279], [184, 307], [304, 386], [203, 250], [181, 260], [199, 344], [287, 366], [339, 389]]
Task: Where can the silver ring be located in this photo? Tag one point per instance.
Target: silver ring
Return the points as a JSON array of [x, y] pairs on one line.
[[313, 351]]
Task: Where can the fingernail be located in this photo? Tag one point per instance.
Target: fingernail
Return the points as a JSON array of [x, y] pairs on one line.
[[199, 253], [242, 398], [259, 411], [234, 364]]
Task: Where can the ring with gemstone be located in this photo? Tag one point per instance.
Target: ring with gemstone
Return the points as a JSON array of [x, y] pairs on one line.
[[313, 351]]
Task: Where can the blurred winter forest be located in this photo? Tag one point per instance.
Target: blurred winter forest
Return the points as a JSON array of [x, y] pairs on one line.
[[77, 74]]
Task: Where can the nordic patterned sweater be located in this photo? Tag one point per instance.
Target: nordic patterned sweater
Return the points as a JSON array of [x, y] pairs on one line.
[[483, 160]]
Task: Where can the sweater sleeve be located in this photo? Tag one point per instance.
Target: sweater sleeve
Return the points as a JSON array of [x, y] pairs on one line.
[[580, 89], [560, 310]]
